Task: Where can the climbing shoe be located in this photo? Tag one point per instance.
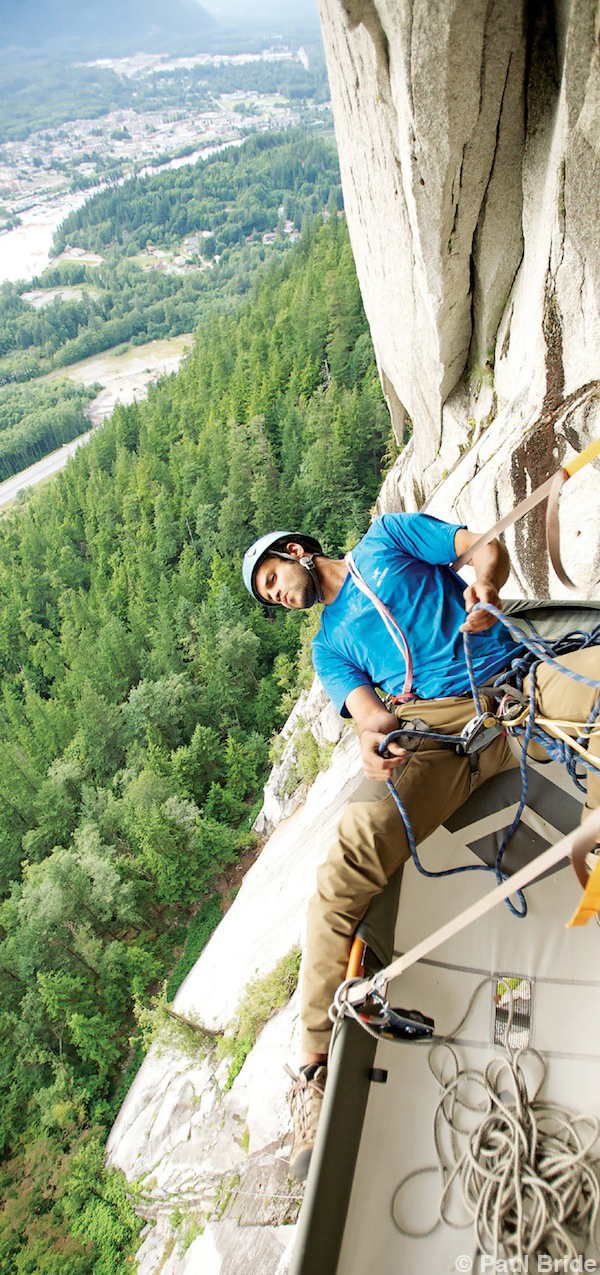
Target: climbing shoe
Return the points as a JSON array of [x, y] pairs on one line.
[[306, 1099]]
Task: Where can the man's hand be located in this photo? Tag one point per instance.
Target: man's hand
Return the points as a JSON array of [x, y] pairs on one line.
[[492, 566], [374, 723], [375, 766], [480, 591]]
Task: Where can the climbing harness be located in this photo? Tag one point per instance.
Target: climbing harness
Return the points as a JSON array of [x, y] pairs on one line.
[[515, 716], [550, 491], [521, 1167]]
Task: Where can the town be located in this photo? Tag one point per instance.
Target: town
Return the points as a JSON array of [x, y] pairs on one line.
[[186, 118]]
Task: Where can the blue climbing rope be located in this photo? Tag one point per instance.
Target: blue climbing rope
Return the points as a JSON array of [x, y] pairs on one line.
[[539, 651]]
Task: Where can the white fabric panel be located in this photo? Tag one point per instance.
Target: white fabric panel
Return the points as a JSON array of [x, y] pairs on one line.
[[564, 967]]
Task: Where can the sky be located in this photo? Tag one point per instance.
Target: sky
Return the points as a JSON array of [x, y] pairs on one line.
[[271, 10]]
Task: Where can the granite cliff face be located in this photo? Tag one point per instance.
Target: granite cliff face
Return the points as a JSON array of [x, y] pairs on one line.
[[210, 1158], [469, 138]]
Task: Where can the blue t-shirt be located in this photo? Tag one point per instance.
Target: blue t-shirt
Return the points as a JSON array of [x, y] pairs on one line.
[[403, 558]]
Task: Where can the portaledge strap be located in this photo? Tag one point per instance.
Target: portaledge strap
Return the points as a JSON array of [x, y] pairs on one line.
[[550, 489], [574, 846]]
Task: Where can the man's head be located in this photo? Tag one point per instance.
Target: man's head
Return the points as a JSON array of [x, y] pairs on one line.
[[279, 570]]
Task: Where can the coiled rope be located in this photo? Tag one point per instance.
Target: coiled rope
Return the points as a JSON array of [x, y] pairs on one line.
[[527, 1179], [538, 651]]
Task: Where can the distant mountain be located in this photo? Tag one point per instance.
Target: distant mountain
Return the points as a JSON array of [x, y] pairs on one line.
[[103, 28]]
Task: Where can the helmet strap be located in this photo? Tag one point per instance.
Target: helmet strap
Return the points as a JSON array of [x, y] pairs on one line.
[[308, 563]]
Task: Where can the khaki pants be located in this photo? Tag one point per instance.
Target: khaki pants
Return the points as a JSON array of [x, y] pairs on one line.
[[371, 842]]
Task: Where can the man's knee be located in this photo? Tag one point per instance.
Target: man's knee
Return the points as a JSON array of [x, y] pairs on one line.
[[373, 830]]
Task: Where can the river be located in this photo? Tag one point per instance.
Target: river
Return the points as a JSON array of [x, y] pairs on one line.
[[25, 251]]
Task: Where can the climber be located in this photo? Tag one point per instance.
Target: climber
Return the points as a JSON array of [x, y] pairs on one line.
[[403, 560]]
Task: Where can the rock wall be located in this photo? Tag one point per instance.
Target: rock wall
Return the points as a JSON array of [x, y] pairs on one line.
[[208, 1158], [469, 139], [286, 789]]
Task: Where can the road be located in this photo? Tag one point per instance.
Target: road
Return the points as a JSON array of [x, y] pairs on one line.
[[125, 378], [42, 469]]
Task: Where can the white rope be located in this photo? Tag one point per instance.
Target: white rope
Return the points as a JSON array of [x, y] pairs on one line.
[[341, 1008], [524, 1171]]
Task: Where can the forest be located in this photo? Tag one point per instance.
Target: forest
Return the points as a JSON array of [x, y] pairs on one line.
[[235, 193], [123, 301], [289, 78], [141, 689], [296, 171], [35, 420], [42, 95], [133, 305]]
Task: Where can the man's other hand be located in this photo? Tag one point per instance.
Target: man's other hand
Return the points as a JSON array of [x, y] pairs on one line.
[[374, 723], [492, 566], [375, 766]]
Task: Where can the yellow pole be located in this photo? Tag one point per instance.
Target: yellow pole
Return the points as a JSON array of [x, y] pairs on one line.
[[588, 453]]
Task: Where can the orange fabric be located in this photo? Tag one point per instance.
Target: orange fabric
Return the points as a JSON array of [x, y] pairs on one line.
[[589, 903]]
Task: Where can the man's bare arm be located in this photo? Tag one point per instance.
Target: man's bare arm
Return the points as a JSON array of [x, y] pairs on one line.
[[373, 723], [492, 566]]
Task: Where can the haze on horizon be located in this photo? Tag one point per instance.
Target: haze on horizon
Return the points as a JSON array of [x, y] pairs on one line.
[[63, 29]]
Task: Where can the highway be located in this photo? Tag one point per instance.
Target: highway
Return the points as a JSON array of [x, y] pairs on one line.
[[42, 469]]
